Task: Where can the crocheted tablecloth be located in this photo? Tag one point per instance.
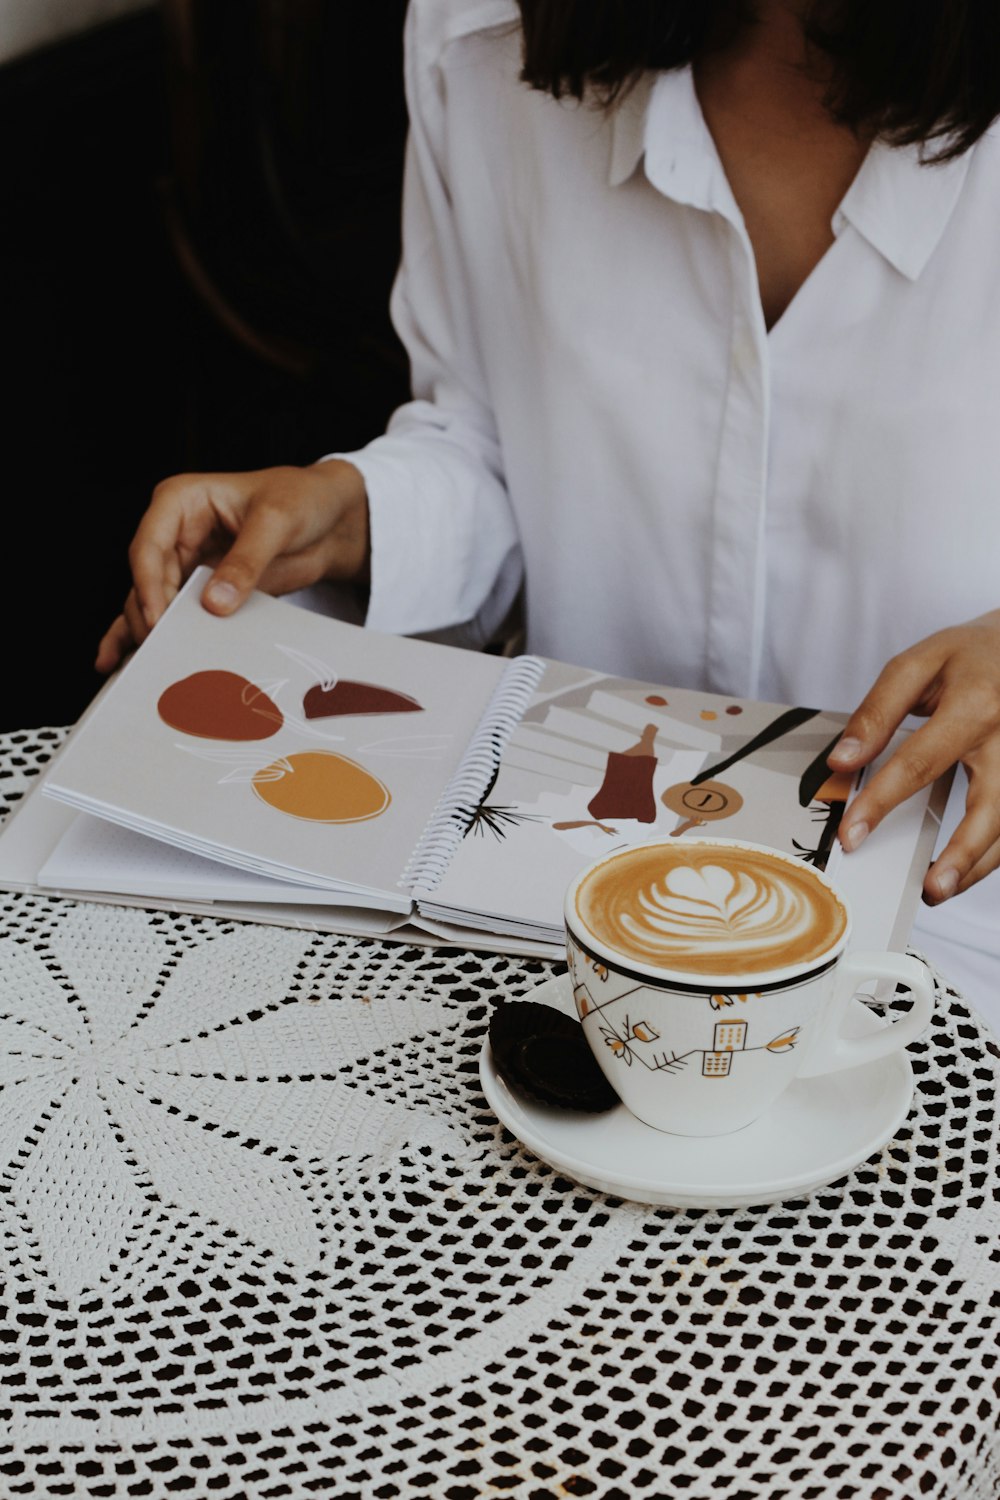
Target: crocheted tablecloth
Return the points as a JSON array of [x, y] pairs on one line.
[[262, 1237]]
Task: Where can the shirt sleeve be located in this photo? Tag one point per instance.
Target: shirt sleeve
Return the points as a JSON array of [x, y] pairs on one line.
[[445, 548]]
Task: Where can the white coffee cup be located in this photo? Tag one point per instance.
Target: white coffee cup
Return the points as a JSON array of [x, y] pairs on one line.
[[709, 974]]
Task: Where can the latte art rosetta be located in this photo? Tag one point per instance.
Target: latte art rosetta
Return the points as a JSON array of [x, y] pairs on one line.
[[730, 910], [703, 910]]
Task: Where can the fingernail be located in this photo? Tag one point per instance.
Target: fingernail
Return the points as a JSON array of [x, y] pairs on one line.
[[853, 836], [946, 883], [846, 750], [222, 595]]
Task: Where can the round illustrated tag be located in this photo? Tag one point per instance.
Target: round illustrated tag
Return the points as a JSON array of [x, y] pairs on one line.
[[701, 802]]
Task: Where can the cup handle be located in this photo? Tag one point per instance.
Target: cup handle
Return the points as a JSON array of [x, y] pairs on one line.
[[833, 1052]]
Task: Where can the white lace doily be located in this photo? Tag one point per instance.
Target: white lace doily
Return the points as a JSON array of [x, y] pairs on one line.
[[263, 1238]]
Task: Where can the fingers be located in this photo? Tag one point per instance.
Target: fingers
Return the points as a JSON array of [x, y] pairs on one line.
[[974, 848], [126, 632], [299, 525], [115, 645], [905, 685], [965, 727], [901, 687], [193, 517], [922, 758], [265, 535], [985, 866], [275, 528], [183, 518]]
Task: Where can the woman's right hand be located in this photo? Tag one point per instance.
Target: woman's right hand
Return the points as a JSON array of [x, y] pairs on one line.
[[270, 529]]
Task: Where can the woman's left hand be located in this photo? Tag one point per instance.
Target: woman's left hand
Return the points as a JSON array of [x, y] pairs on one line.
[[953, 677]]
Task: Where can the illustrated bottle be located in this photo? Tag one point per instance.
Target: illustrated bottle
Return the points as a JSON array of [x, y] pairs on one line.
[[627, 788]]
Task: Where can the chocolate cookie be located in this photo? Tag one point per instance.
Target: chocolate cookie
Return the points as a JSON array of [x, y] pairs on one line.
[[545, 1054]]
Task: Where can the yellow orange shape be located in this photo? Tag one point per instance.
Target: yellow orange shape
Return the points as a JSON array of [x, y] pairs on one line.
[[323, 787]]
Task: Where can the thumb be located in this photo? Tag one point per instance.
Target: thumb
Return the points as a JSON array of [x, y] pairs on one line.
[[263, 537]]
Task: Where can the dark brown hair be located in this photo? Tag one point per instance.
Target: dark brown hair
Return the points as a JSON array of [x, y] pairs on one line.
[[912, 71]]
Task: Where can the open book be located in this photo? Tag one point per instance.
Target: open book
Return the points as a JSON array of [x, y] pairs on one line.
[[282, 766]]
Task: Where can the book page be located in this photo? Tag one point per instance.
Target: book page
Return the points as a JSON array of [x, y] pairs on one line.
[[94, 854], [280, 741], [601, 762]]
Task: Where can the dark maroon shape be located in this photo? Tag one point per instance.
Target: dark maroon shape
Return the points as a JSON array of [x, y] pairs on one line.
[[346, 697]]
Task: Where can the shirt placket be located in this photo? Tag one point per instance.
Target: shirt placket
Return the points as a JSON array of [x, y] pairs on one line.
[[682, 163], [737, 571]]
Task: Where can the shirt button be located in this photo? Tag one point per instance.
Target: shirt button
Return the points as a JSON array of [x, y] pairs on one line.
[[744, 355]]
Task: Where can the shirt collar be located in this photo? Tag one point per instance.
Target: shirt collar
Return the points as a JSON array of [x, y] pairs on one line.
[[901, 205], [628, 129], [478, 15], [660, 120], [898, 203]]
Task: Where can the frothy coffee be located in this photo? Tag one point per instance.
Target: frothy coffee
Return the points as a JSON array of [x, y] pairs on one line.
[[709, 909]]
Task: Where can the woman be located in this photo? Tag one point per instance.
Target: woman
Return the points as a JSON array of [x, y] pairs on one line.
[[704, 326]]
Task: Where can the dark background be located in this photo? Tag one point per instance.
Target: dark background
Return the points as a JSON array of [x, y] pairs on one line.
[[200, 225]]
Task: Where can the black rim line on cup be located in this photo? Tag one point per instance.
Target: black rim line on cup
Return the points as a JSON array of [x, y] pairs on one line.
[[677, 987]]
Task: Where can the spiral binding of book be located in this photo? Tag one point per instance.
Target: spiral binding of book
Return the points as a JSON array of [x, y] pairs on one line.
[[474, 777]]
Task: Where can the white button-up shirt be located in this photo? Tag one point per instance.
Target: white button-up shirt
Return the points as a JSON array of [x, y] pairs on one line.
[[599, 409]]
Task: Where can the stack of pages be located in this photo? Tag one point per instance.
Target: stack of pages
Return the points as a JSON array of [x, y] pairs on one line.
[[281, 766]]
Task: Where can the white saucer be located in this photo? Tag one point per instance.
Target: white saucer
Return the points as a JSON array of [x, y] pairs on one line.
[[817, 1131]]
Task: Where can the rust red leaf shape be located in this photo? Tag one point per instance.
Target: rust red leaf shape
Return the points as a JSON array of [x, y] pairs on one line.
[[219, 705]]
